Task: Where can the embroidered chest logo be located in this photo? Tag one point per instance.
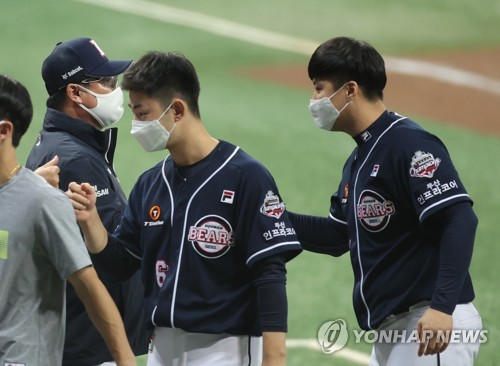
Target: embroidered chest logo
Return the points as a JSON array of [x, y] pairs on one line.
[[272, 206], [423, 165], [154, 215], [227, 196], [211, 237], [373, 211]]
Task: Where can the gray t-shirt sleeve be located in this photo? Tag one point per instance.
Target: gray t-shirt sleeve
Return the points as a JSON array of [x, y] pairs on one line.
[[59, 234]]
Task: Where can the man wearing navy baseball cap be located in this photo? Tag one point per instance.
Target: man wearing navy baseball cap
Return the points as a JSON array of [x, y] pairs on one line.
[[83, 101]]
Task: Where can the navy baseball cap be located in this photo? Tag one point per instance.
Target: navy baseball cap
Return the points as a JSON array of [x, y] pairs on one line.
[[76, 59]]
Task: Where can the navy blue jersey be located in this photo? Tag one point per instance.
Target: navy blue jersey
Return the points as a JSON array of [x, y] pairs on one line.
[[398, 176], [86, 155], [196, 238]]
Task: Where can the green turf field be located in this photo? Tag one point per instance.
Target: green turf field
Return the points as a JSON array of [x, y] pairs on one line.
[[272, 122]]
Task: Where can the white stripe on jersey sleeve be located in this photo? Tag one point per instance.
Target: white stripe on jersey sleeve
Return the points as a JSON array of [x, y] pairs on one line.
[[271, 248]]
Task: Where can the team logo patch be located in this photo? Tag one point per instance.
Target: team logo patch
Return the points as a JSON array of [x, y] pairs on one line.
[[272, 205], [211, 237], [161, 271], [227, 196], [423, 165], [373, 211]]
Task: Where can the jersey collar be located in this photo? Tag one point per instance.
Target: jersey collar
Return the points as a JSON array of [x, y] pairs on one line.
[[376, 128]]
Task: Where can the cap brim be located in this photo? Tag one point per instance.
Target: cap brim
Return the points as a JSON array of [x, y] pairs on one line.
[[110, 68]]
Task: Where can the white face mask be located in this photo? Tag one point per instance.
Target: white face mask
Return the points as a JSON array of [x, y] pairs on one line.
[[151, 134], [324, 112], [109, 108]]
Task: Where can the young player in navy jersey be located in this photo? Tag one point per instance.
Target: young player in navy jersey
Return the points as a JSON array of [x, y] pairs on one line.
[[401, 211], [206, 226]]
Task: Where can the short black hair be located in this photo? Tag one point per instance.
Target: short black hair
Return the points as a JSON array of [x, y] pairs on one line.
[[343, 59], [164, 76], [15, 106]]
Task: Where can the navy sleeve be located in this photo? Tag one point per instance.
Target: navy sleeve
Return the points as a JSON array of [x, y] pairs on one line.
[[270, 282], [116, 261], [122, 255], [456, 226], [433, 180], [320, 234], [263, 223]]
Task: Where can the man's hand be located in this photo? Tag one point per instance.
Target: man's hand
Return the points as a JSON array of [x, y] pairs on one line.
[[83, 199], [434, 331], [50, 172]]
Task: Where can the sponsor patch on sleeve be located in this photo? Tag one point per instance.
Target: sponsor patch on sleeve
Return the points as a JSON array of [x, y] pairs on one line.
[[423, 165], [272, 206]]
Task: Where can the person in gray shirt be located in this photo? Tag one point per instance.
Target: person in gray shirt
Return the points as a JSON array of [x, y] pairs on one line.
[[41, 247]]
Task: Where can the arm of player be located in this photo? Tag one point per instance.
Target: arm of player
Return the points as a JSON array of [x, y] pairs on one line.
[[83, 199], [274, 349], [456, 226], [50, 172], [270, 283], [103, 313], [319, 234]]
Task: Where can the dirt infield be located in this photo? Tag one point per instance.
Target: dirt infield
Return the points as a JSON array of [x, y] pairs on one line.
[[424, 97]]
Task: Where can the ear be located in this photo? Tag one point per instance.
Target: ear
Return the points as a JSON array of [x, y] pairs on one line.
[[352, 89], [6, 129], [179, 107], [73, 93]]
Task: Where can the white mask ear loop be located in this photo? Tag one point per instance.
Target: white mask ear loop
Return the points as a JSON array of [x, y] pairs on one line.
[[165, 111]]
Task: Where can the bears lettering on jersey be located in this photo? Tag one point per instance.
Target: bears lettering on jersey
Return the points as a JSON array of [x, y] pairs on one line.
[[374, 211], [211, 237]]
